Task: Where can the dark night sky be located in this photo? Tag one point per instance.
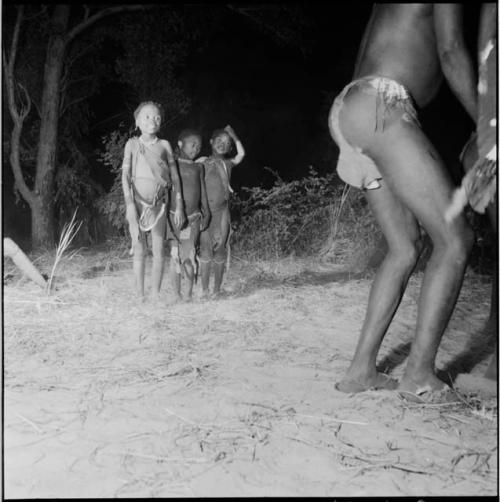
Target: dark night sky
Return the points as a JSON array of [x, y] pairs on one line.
[[277, 98]]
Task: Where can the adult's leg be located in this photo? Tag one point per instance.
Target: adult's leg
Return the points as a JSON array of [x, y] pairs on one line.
[[158, 245], [413, 171], [402, 234], [492, 369]]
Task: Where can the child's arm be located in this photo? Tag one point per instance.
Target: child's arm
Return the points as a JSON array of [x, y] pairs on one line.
[[204, 200], [131, 211], [179, 217], [240, 151], [126, 174]]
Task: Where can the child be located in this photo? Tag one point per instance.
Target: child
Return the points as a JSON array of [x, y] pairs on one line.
[[148, 172], [184, 243], [214, 240]]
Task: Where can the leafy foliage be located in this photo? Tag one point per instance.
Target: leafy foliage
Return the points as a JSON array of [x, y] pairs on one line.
[[312, 215], [112, 204]]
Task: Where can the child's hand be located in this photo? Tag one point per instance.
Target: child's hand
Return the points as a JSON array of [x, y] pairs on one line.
[[230, 131], [179, 217]]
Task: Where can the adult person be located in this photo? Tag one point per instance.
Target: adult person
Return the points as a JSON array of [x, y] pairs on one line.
[[480, 160], [404, 54]]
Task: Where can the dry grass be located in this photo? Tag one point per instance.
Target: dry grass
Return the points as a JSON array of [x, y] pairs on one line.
[[161, 399]]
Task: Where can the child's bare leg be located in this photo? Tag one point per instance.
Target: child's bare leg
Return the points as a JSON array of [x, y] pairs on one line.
[[189, 269], [158, 245], [218, 276], [220, 252], [225, 227], [139, 262], [133, 227], [206, 254], [175, 277], [403, 238]]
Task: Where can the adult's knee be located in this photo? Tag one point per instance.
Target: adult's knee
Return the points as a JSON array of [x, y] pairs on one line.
[[458, 245], [462, 244], [405, 255]]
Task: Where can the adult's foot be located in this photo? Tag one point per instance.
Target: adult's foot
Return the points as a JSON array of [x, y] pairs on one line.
[[427, 390], [427, 381], [377, 381]]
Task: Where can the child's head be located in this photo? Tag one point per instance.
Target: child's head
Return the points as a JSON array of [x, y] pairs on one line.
[[148, 116], [189, 143], [221, 142]]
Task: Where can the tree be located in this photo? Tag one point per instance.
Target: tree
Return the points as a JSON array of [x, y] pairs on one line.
[[61, 30]]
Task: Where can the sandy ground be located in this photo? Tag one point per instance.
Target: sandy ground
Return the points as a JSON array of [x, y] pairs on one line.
[[104, 397]]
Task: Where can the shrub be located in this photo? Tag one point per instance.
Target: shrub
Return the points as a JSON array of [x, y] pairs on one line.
[[112, 204], [316, 215]]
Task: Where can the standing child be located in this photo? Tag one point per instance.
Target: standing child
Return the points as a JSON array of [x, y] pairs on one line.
[[184, 242], [148, 172], [214, 240]]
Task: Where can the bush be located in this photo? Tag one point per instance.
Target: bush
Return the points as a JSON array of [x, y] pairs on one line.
[[112, 204], [316, 215]]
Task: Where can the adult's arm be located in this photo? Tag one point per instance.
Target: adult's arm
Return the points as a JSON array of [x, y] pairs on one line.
[[456, 60]]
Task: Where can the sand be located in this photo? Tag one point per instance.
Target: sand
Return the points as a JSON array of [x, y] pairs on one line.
[[107, 397]]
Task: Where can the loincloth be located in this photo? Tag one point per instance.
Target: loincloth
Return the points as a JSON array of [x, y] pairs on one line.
[[184, 243], [149, 211], [353, 166]]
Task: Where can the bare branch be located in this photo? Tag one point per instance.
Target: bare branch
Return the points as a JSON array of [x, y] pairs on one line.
[[78, 55], [18, 116], [15, 164], [72, 103], [9, 84], [99, 15], [15, 38], [25, 109]]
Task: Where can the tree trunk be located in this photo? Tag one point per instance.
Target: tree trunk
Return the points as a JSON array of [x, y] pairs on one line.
[[42, 230]]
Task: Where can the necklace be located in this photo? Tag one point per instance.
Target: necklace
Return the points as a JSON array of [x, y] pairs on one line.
[[148, 143]]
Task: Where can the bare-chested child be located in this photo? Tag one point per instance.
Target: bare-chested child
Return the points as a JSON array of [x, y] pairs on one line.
[[184, 243], [148, 172], [405, 51], [214, 240]]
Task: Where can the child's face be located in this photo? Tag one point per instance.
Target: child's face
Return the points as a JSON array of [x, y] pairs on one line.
[[190, 147], [148, 119], [221, 144]]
